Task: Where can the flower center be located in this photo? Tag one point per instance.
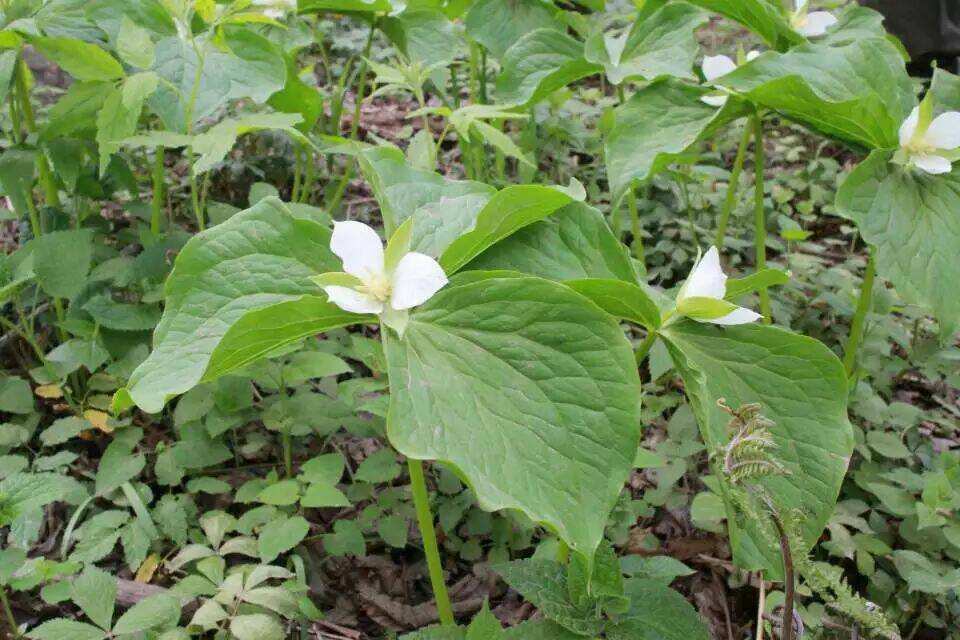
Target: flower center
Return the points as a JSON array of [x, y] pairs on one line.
[[377, 286], [919, 146]]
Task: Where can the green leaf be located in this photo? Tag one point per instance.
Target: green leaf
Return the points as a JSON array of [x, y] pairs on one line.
[[63, 430], [118, 465], [310, 365], [424, 35], [95, 591], [620, 299], [737, 287], [539, 630], [324, 469], [134, 45], [859, 93], [77, 110], [507, 211], [544, 583], [262, 331], [255, 259], [497, 25], [402, 189], [572, 244], [346, 539], [61, 261], [121, 316], [381, 466], [15, 395], [16, 177], [63, 629], [801, 386], [659, 125], [663, 44], [298, 97], [484, 625], [154, 611], [921, 574], [704, 308], [344, 6], [256, 626], [657, 612], [663, 569], [285, 492], [83, 60], [213, 145], [538, 64], [764, 17], [280, 536], [887, 444], [531, 415], [319, 495], [910, 218], [117, 120]]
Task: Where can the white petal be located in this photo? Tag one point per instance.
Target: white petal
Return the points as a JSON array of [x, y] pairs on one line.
[[816, 23], [352, 300], [707, 279], [359, 247], [931, 163], [944, 131], [415, 280], [740, 315], [714, 100], [799, 4], [909, 127], [752, 55], [716, 66]]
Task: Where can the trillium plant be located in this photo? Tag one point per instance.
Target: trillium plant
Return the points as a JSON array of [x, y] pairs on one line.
[[508, 327]]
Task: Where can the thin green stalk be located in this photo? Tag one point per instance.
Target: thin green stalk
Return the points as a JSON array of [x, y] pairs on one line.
[[195, 192], [287, 453], [731, 198], [297, 173], [310, 178], [635, 229], [157, 204], [425, 521], [860, 316], [47, 182], [759, 219], [12, 621], [645, 346], [563, 552], [359, 91]]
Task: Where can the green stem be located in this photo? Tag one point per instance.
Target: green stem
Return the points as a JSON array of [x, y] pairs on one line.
[[425, 521], [635, 229], [47, 182], [759, 219], [195, 192], [287, 453], [860, 316], [12, 621], [359, 91], [731, 198], [157, 203], [297, 174], [563, 552], [645, 347]]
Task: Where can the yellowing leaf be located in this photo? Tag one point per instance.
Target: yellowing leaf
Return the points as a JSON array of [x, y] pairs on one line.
[[99, 419], [48, 391], [147, 568]]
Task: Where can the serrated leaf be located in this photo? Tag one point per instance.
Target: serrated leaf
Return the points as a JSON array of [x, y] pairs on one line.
[[538, 64], [285, 492], [84, 61], [134, 44], [95, 591], [319, 495], [281, 535], [657, 612], [544, 583], [152, 612], [508, 354], [63, 629], [61, 261], [256, 626]]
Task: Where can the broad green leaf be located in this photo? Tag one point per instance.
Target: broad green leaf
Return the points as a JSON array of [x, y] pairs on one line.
[[663, 569], [766, 18], [117, 120], [62, 430], [256, 259], [910, 217], [8, 64], [309, 365], [285, 492], [83, 60], [16, 177], [213, 145], [118, 465], [544, 583], [620, 299], [922, 575], [77, 110], [256, 626], [424, 35], [801, 386], [262, 330], [323, 495], [151, 15], [858, 93], [61, 261], [298, 97], [506, 212], [737, 287], [249, 66], [663, 44], [574, 243], [325, 469], [121, 316], [378, 467], [659, 125], [157, 610], [528, 389], [134, 45], [402, 189], [539, 630], [63, 629], [538, 64], [94, 591], [497, 25], [657, 612], [277, 599], [856, 23], [281, 535], [23, 492]]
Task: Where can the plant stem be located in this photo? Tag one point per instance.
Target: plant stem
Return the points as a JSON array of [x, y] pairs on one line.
[[9, 613], [762, 603], [287, 453], [51, 195], [731, 197], [636, 230], [157, 203], [563, 552], [759, 219], [860, 316], [786, 630], [645, 347], [359, 89], [425, 521]]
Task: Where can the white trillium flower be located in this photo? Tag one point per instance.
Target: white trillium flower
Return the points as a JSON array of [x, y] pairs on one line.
[[377, 287], [928, 147], [708, 281], [718, 66], [810, 24]]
